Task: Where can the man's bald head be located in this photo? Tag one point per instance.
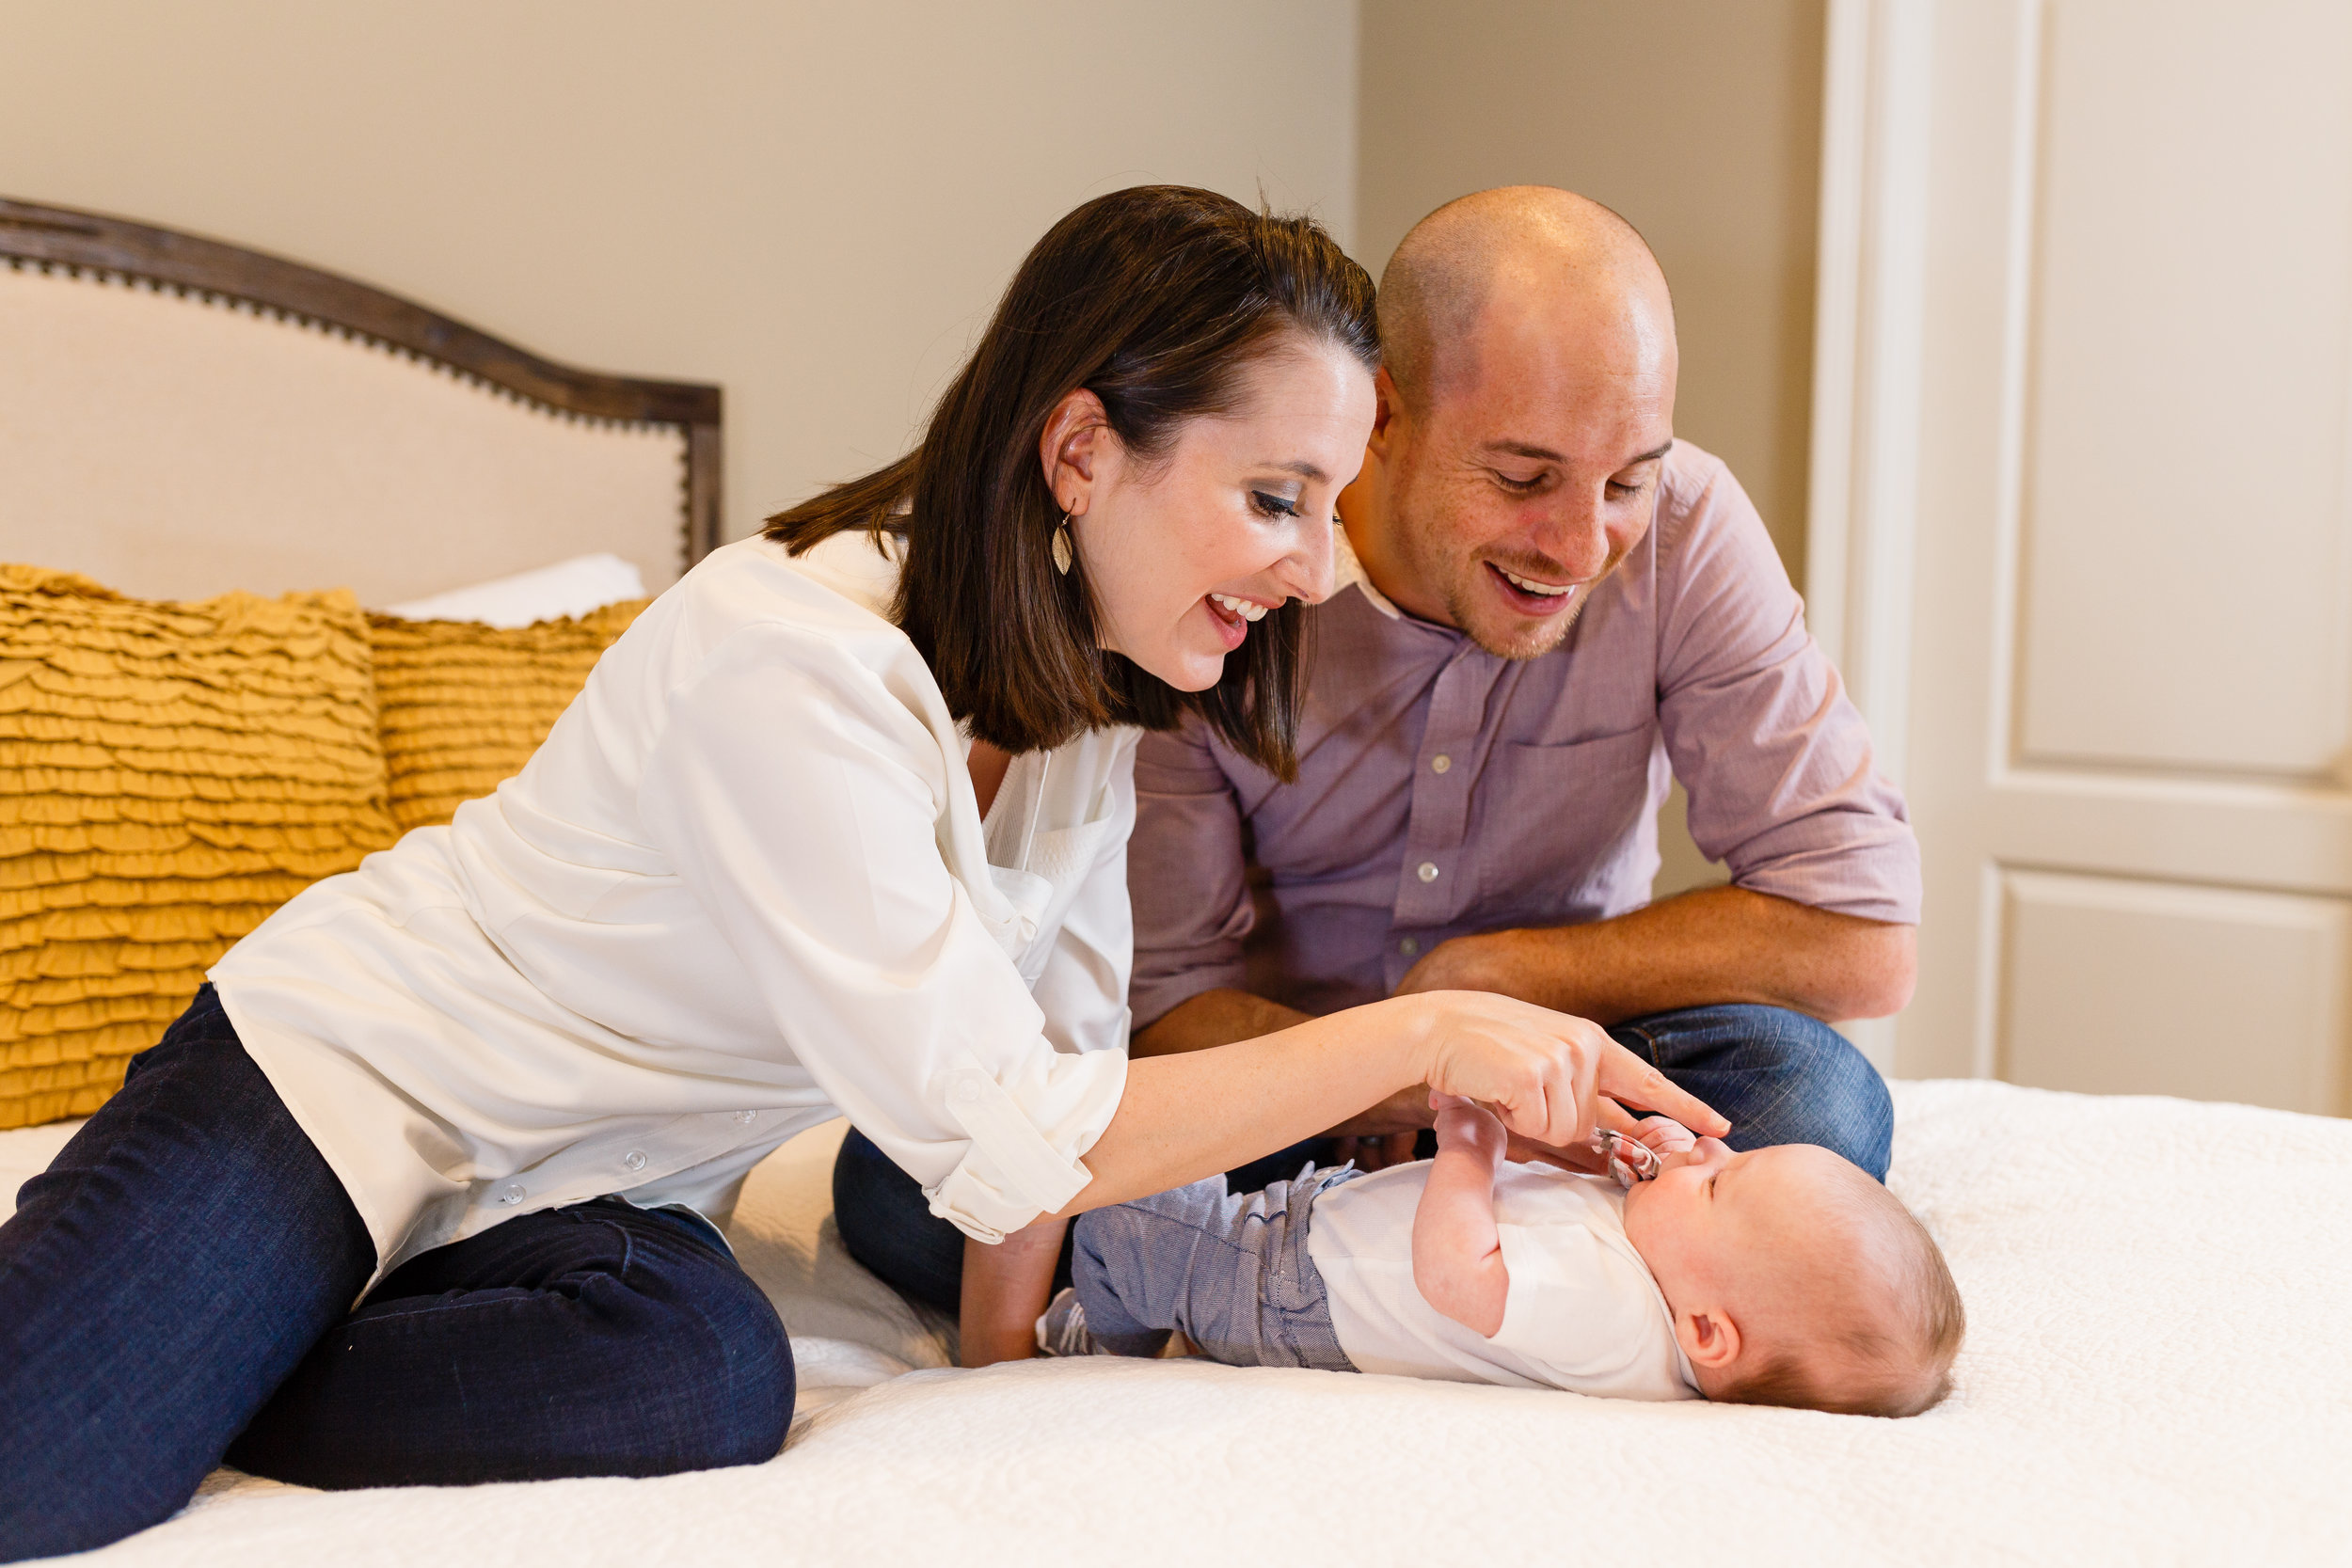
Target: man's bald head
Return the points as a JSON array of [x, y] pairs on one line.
[[1526, 413], [1535, 242]]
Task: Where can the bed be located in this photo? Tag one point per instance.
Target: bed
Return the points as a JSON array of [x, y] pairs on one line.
[[2156, 1368]]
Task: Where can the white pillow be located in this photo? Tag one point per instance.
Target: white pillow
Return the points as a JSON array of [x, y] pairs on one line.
[[572, 587]]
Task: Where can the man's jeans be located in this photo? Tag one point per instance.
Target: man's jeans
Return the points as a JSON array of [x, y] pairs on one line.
[[1780, 1077], [1230, 1269], [182, 1278]]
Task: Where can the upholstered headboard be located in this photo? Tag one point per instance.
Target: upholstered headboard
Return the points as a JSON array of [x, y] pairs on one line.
[[180, 416]]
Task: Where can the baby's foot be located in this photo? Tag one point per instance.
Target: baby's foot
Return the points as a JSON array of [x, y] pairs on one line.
[[1063, 1331]]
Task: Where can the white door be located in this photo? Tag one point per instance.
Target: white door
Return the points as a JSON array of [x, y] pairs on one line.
[[2096, 440]]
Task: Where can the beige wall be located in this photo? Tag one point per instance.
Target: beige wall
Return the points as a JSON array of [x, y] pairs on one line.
[[1698, 119], [1700, 122], [812, 203]]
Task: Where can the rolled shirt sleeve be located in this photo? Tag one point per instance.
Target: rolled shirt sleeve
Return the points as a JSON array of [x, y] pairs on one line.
[[1778, 761], [1188, 870], [802, 800]]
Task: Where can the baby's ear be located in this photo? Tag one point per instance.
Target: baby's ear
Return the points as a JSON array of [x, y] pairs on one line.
[[1710, 1339]]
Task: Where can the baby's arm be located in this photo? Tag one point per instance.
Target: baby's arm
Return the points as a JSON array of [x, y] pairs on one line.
[[1457, 1252], [1005, 1286]]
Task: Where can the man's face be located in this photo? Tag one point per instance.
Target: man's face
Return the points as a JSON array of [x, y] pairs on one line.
[[1530, 469]]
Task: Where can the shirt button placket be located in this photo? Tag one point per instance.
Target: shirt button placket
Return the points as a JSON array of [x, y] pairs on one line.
[[1431, 889]]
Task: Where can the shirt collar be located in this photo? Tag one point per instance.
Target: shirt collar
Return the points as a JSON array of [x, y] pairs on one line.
[[1349, 572]]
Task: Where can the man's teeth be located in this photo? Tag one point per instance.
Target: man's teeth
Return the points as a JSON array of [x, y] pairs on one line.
[[1249, 610], [1546, 589]]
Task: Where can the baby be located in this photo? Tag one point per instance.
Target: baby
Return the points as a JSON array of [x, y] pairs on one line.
[[1781, 1275]]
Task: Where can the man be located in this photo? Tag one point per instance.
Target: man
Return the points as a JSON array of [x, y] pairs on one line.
[[1549, 601]]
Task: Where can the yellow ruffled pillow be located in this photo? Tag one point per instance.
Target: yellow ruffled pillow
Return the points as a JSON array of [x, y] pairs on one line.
[[170, 774], [464, 704]]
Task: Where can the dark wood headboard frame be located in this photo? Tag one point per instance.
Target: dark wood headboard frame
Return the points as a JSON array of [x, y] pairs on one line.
[[62, 237]]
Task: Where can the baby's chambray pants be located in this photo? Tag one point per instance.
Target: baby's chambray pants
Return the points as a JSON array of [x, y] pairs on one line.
[[1230, 1269]]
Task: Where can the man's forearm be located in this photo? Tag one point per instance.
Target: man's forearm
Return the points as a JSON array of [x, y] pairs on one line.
[[1713, 945], [1213, 1017]]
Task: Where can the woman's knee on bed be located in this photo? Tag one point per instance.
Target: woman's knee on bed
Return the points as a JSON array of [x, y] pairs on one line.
[[597, 1340], [174, 1262]]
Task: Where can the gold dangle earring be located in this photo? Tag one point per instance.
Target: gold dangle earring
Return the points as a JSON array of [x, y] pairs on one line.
[[1062, 544]]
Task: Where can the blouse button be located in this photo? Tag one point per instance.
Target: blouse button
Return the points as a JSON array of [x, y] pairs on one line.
[[511, 1192], [966, 1090], [1409, 946], [634, 1159], [1426, 871], [747, 1117], [1439, 763]]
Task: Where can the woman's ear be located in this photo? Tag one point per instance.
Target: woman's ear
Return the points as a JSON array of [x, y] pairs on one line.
[[1710, 1339], [1071, 448]]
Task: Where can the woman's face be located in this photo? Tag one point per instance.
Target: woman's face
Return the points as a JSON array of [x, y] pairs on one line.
[[1182, 555]]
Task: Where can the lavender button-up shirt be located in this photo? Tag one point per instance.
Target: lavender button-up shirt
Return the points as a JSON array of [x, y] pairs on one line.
[[1442, 790]]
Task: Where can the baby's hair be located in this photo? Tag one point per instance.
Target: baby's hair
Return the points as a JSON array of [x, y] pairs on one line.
[[1895, 1362]]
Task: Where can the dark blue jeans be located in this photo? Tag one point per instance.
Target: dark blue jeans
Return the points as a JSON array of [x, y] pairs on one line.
[[1780, 1077], [177, 1288]]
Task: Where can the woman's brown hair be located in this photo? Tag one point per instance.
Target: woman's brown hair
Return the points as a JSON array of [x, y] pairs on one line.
[[1155, 299]]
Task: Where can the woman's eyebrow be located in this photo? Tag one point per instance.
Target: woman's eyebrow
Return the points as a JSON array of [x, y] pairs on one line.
[[1303, 468]]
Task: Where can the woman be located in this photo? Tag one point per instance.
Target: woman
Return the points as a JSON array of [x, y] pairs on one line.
[[838, 828]]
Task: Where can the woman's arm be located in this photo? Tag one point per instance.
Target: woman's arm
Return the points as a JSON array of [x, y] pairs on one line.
[[1005, 1289], [1546, 1075], [1457, 1249]]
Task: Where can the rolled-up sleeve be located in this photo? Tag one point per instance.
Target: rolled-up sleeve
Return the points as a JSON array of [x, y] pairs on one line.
[[1187, 874], [1776, 760], [800, 801]]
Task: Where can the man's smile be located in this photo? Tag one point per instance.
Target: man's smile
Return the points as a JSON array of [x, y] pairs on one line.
[[1530, 594]]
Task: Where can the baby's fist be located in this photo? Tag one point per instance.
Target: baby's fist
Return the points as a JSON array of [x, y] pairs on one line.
[[1665, 1135], [1465, 1124]]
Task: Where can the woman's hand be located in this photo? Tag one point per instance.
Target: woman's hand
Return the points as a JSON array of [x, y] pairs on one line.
[[1549, 1076]]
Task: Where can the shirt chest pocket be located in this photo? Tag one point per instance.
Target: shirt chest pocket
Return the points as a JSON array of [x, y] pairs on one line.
[[1555, 826], [1058, 864]]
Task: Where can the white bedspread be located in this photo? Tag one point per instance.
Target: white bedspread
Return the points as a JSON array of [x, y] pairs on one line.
[[2158, 1371]]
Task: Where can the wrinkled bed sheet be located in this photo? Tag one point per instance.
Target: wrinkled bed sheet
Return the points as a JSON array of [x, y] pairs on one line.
[[2158, 1371]]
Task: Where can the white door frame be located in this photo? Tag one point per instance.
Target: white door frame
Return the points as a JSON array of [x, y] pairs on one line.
[[1869, 330]]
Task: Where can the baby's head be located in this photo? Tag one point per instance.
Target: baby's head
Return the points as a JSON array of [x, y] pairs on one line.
[[1795, 1279]]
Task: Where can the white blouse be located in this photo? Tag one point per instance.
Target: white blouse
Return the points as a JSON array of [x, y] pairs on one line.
[[744, 887]]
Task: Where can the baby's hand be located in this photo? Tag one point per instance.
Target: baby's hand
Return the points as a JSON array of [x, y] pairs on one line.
[[1465, 1124], [1664, 1135]]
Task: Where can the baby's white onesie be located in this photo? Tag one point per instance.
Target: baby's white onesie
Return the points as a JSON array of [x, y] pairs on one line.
[[1583, 1312]]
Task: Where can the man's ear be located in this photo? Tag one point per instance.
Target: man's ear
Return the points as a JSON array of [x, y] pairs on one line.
[[1711, 1338], [1388, 413], [1069, 448]]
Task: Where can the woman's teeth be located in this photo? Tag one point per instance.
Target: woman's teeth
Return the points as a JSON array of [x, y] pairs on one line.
[[1547, 590], [1249, 610]]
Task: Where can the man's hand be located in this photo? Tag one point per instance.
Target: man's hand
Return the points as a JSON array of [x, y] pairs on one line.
[[1461, 964]]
